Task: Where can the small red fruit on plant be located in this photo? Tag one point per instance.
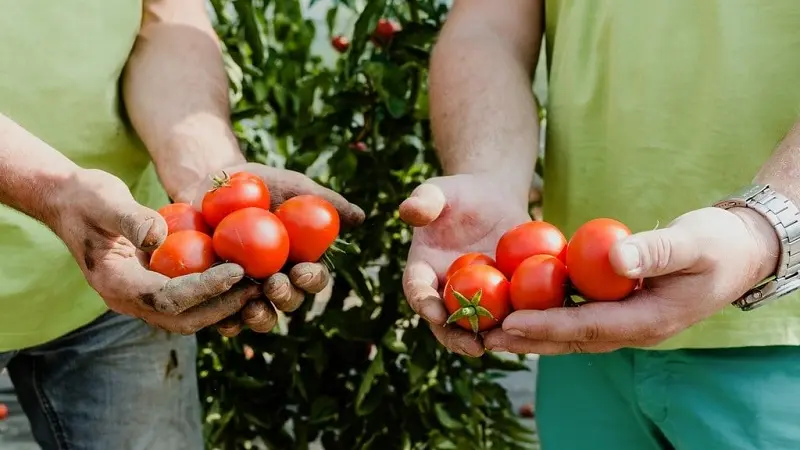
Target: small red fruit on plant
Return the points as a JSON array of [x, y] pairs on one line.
[[384, 31], [539, 283], [526, 410], [232, 193], [477, 298], [312, 224], [3, 411], [182, 216], [248, 351], [468, 259], [528, 239], [589, 266], [182, 253], [359, 146], [255, 239], [340, 43]]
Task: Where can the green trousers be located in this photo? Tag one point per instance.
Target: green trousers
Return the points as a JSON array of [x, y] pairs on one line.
[[720, 399]]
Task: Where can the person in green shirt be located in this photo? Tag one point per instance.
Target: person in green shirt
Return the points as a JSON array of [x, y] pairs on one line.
[[655, 111], [107, 110]]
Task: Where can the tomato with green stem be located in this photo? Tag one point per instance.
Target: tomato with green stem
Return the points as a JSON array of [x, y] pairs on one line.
[[477, 298], [312, 224], [232, 193]]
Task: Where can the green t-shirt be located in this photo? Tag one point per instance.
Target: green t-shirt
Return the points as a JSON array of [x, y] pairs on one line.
[[61, 62], [659, 107]]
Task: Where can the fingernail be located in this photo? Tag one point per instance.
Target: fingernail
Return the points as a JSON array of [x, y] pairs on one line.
[[514, 332], [631, 262], [498, 349]]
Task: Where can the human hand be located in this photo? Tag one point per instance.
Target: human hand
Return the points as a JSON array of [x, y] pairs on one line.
[[283, 291], [452, 215], [700, 263], [108, 232]]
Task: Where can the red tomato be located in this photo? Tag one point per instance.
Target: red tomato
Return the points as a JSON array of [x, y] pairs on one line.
[[486, 292], [468, 259], [3, 411], [384, 31], [182, 253], [182, 216], [359, 146], [340, 43], [232, 193], [589, 266], [313, 225], [255, 239], [539, 283], [526, 240]]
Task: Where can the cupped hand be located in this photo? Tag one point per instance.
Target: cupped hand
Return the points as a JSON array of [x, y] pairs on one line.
[[108, 232], [700, 263], [452, 215], [284, 292]]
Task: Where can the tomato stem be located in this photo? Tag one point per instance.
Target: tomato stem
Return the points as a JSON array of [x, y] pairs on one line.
[[470, 309], [220, 181]]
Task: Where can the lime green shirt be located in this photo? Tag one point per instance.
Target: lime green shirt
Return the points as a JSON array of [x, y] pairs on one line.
[[61, 62], [659, 107]]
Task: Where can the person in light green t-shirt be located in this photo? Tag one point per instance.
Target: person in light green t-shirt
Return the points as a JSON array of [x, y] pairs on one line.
[[655, 110], [108, 108]]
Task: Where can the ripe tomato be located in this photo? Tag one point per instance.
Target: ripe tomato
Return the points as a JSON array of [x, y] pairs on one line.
[[384, 31], [3, 411], [589, 266], [526, 240], [255, 239], [468, 259], [484, 301], [182, 216], [182, 253], [340, 43], [232, 193], [539, 283], [313, 225]]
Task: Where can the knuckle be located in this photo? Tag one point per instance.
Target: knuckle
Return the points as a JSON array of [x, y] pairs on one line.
[[576, 347], [591, 332]]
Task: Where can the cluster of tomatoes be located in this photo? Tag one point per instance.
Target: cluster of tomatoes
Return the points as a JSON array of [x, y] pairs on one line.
[[384, 31], [535, 268], [235, 224]]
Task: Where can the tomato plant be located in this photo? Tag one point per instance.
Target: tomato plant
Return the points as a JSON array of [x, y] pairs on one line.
[[468, 259], [477, 298], [312, 224], [182, 253], [232, 193], [540, 282], [528, 239], [340, 43], [183, 216], [255, 239], [589, 266], [384, 31]]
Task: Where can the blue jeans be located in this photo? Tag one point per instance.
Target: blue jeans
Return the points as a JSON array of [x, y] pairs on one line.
[[115, 384]]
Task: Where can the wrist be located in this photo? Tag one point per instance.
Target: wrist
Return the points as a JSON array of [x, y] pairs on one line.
[[766, 249]]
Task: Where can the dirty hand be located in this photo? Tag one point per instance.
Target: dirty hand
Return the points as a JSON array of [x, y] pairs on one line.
[[284, 292], [699, 264], [452, 215], [108, 232]]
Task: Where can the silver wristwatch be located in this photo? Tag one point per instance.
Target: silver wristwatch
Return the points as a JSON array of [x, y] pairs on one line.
[[785, 218]]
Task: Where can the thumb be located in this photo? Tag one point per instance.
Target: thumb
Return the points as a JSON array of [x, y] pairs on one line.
[[145, 228], [655, 253], [423, 206]]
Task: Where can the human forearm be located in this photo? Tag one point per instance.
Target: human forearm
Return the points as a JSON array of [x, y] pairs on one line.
[[483, 113], [32, 173], [176, 94]]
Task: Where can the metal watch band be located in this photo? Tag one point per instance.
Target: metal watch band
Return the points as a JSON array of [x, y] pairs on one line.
[[785, 218]]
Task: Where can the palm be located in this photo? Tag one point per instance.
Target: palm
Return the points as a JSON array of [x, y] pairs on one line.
[[473, 221]]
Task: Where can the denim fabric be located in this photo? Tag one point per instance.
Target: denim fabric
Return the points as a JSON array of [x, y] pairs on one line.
[[115, 384]]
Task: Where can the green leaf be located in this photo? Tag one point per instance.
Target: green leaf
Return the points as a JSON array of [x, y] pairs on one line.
[[374, 370], [364, 26], [323, 408], [445, 419]]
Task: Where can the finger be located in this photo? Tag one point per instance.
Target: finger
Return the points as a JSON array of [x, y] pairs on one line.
[[499, 341], [144, 227], [310, 277], [280, 291], [458, 340], [230, 326], [637, 319], [423, 206], [419, 285], [179, 294], [655, 253], [259, 315], [216, 309]]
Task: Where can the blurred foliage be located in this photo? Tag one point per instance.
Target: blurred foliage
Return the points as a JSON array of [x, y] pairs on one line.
[[356, 371]]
